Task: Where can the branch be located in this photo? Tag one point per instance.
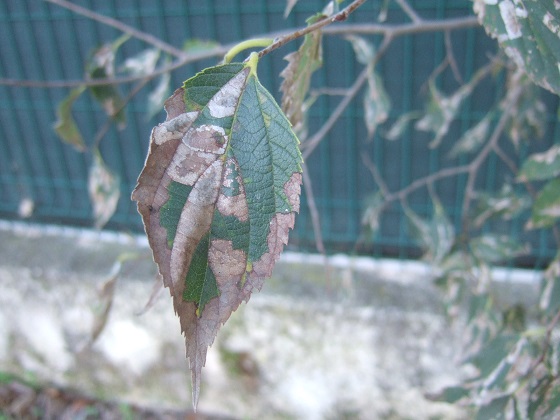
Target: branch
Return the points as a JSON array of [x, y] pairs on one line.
[[338, 17], [510, 102], [393, 30], [150, 39], [314, 141], [411, 13]]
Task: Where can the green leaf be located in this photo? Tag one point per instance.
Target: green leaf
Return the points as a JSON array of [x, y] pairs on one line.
[[194, 45], [101, 66], [472, 139], [218, 195], [400, 125], [493, 353], [544, 401], [436, 235], [65, 126], [496, 248], [104, 190], [297, 77], [377, 103], [441, 109], [141, 64], [505, 204], [453, 394], [546, 209], [494, 410], [364, 50], [289, 6], [528, 31], [541, 166]]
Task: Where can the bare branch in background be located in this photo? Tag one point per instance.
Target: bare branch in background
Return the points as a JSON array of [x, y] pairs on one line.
[[150, 39], [410, 12]]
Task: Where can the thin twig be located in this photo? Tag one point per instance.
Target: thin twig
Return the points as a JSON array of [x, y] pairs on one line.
[[372, 167], [315, 218], [410, 12], [394, 30], [338, 17], [105, 128], [510, 102], [451, 57], [310, 144], [150, 39]]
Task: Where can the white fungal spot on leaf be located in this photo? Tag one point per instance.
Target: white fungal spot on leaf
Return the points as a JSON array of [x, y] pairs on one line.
[[509, 16], [224, 102]]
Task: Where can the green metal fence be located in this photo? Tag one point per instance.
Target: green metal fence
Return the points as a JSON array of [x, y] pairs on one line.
[[41, 41]]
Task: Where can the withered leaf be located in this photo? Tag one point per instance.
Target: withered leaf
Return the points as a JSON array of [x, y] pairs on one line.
[[297, 76], [218, 195]]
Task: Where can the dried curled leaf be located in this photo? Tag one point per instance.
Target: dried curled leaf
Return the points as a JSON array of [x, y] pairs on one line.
[[104, 190], [297, 77], [218, 196]]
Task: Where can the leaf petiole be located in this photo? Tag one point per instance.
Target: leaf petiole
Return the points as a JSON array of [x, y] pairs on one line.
[[245, 45]]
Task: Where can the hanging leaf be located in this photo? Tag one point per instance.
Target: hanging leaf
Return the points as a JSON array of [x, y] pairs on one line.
[[65, 126], [289, 6], [101, 66], [436, 235], [530, 112], [505, 204], [546, 209], [400, 125], [496, 248], [541, 166], [297, 77], [218, 195], [156, 97], [528, 31], [377, 103], [472, 139], [141, 64], [104, 191], [441, 110]]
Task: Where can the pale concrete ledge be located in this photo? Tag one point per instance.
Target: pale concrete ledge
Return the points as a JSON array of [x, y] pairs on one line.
[[367, 343]]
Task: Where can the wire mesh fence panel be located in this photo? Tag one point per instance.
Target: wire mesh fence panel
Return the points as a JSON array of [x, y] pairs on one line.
[[45, 180]]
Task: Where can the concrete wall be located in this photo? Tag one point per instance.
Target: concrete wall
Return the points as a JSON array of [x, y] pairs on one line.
[[356, 338]]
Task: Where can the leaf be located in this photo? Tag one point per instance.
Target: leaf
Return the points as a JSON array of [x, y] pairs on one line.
[[528, 31], [364, 50], [218, 195], [376, 100], [494, 410], [157, 97], [530, 112], [104, 191], [141, 64], [437, 235], [505, 204], [297, 77], [289, 6], [541, 166], [496, 248], [472, 139], [544, 401], [193, 45], [546, 209], [376, 103], [101, 66], [65, 126], [400, 125]]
